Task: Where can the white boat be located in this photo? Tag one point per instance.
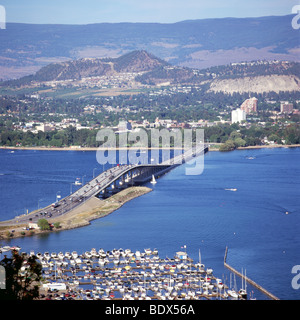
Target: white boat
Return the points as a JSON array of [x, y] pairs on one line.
[[94, 252], [116, 261], [77, 182], [233, 294], [148, 251], [115, 253], [231, 189], [138, 254], [74, 254], [39, 255], [5, 248], [243, 291], [17, 248], [101, 262], [219, 283], [153, 181], [88, 254], [47, 255], [60, 255]]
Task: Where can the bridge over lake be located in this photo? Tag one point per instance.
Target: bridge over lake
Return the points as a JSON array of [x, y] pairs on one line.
[[111, 181]]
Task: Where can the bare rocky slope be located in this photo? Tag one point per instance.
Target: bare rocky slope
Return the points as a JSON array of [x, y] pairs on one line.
[[257, 84]]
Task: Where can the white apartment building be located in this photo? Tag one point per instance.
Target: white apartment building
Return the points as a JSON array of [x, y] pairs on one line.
[[238, 115]]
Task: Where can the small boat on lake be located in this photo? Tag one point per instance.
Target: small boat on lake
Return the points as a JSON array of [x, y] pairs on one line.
[[77, 182], [153, 181]]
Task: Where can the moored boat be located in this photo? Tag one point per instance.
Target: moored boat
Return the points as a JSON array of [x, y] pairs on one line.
[[233, 294], [148, 251]]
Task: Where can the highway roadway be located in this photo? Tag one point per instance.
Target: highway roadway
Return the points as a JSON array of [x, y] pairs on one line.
[[75, 199]]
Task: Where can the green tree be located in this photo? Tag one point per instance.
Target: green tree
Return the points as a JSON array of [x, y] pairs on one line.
[[234, 135], [43, 224], [56, 225], [239, 142], [23, 275], [274, 137], [229, 145]]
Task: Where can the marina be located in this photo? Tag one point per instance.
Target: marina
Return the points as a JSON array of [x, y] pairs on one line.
[[126, 275]]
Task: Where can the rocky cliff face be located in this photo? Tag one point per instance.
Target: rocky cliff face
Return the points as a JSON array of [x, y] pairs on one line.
[[257, 84]]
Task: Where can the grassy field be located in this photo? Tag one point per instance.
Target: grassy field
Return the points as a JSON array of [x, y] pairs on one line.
[[69, 93]]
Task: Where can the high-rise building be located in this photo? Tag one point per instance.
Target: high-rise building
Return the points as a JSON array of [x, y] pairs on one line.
[[249, 105], [286, 107], [238, 115]]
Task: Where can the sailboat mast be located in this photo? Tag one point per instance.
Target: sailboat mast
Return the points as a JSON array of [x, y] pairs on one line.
[[245, 281]]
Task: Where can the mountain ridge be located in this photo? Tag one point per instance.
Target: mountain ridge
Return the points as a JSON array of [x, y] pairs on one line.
[[201, 43], [135, 61], [145, 69]]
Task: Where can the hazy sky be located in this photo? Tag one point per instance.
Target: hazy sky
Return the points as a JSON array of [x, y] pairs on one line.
[[164, 11]]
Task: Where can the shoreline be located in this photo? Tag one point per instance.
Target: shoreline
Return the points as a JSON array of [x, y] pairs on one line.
[[74, 148], [262, 147], [92, 209]]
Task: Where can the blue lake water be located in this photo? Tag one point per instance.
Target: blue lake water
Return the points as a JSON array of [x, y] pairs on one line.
[[195, 211]]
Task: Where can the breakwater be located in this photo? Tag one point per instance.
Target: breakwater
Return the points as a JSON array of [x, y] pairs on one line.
[[253, 283]]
